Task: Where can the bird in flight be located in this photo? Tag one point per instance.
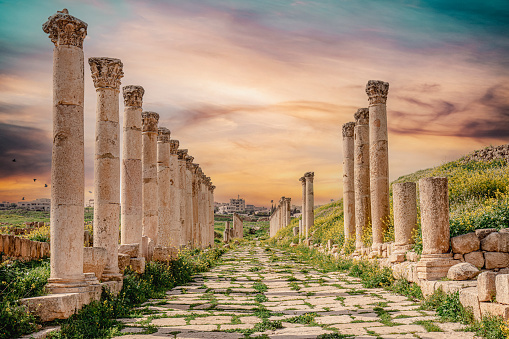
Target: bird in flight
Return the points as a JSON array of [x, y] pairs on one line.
[[35, 180], [45, 185], [23, 198], [13, 160]]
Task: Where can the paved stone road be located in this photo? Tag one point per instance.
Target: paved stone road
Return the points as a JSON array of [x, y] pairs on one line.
[[253, 292]]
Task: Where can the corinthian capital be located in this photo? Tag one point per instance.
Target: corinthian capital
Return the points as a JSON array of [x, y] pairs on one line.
[[174, 145], [348, 129], [309, 176], [303, 180], [377, 92], [149, 120], [163, 134], [65, 30], [182, 154], [133, 95], [362, 116], [106, 72]]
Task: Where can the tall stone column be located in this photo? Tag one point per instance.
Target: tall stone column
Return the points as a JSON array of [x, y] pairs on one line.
[[149, 169], [303, 231], [361, 174], [378, 160], [404, 197], [434, 202], [163, 182], [348, 180], [106, 73], [189, 200], [131, 194], [67, 158], [288, 211], [212, 233], [310, 203], [195, 185], [175, 225], [182, 153]]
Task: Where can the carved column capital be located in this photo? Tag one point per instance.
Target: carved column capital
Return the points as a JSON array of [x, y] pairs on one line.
[[182, 153], [133, 95], [174, 145], [302, 180], [212, 188], [377, 92], [106, 72], [309, 176], [348, 129], [362, 116], [149, 121], [163, 134], [65, 30]]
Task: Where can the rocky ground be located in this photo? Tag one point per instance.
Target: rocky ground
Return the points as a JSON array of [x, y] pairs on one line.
[[259, 293]]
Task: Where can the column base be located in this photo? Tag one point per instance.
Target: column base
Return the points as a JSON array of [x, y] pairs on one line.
[[434, 266], [112, 276], [59, 285]]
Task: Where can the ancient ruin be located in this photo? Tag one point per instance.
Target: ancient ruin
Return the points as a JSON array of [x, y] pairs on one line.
[[348, 180]]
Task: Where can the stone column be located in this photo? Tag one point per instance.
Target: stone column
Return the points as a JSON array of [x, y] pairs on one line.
[[205, 211], [195, 209], [379, 160], [434, 202], [226, 237], [212, 188], [361, 174], [149, 169], [310, 203], [303, 231], [182, 153], [175, 225], [106, 73], [131, 194], [67, 168], [189, 200], [163, 182], [288, 211], [405, 215], [348, 180]]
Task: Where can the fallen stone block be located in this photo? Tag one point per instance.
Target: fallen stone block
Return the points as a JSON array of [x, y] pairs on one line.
[[469, 299], [502, 288], [484, 232], [164, 254], [123, 261], [53, 306], [130, 249], [138, 264], [496, 260], [475, 258], [486, 288], [465, 243], [397, 257], [94, 260], [496, 242], [495, 309], [462, 271]]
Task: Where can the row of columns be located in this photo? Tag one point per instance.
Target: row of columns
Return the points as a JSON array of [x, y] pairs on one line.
[[166, 198], [281, 216]]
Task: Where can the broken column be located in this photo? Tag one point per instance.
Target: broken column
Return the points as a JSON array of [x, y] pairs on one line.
[[405, 215], [67, 158], [149, 187], [226, 235], [106, 73], [175, 225], [379, 160], [131, 204], [361, 174], [434, 202], [310, 203], [163, 182], [348, 181], [303, 229]]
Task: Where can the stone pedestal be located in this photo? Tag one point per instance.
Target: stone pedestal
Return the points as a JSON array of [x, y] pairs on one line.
[[361, 175], [434, 202], [149, 169], [131, 194], [106, 73], [405, 215], [163, 182], [348, 180], [378, 159], [310, 202], [174, 184], [67, 159], [303, 211]]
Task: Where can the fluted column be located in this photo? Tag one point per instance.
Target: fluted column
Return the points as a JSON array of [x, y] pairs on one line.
[[361, 173], [106, 73], [163, 182], [310, 202], [348, 180], [131, 194], [189, 200], [378, 160], [149, 169], [303, 229], [175, 225], [67, 158]]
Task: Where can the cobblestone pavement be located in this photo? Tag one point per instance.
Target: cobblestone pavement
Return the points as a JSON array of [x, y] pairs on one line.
[[258, 293]]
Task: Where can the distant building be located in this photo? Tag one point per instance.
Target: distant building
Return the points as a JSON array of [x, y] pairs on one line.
[[42, 204], [5, 204], [239, 204]]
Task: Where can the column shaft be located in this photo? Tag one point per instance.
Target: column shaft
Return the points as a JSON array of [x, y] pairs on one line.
[[361, 173], [174, 207], [163, 182], [149, 170], [348, 180], [303, 231], [310, 202], [405, 214]]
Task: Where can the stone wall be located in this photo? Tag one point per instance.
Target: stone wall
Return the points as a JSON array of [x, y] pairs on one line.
[[488, 154], [22, 248]]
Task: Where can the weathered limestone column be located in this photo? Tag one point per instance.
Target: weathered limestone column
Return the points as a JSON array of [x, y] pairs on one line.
[[404, 197], [131, 194], [195, 209], [206, 214], [182, 153], [106, 73], [310, 203], [163, 182], [361, 175], [212, 233], [189, 200], [149, 169], [348, 180], [174, 208], [303, 230], [434, 202], [67, 158], [379, 160], [288, 211]]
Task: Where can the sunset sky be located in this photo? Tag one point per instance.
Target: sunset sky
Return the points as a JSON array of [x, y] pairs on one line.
[[258, 90]]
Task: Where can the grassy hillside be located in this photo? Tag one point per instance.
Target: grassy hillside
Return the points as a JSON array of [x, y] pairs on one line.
[[478, 197]]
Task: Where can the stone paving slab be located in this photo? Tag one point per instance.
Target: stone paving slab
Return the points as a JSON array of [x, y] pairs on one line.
[[253, 292]]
